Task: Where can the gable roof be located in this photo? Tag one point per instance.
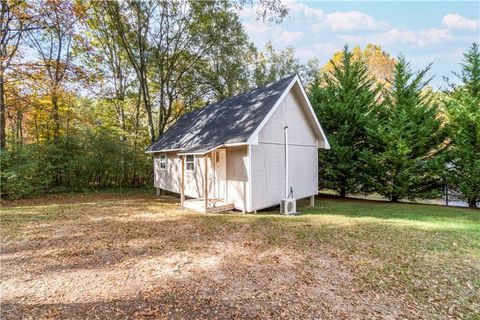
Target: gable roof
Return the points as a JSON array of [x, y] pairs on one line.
[[231, 121]]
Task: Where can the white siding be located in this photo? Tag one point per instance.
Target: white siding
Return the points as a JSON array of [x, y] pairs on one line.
[[237, 176], [170, 178], [289, 113], [268, 157], [268, 175]]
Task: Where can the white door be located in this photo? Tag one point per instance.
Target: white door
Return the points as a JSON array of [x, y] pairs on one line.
[[220, 173]]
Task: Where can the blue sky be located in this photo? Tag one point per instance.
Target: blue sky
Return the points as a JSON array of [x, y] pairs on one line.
[[427, 31]]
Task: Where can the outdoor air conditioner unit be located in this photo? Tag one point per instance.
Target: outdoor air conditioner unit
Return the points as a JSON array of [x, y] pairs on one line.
[[288, 206]]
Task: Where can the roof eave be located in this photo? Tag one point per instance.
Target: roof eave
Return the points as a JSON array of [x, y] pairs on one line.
[[163, 150], [203, 152]]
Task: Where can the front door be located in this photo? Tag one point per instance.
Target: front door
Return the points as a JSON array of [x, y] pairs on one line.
[[220, 173]]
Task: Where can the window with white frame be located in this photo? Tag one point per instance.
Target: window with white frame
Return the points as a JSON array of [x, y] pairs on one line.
[[163, 161], [190, 162]]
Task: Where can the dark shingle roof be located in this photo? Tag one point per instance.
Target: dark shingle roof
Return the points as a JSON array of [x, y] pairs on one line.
[[228, 121]]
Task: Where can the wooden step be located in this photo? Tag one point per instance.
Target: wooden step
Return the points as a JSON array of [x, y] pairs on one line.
[[226, 207]]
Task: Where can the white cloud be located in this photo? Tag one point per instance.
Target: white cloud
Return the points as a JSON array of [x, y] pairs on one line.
[[350, 20], [396, 36], [336, 21], [326, 47], [288, 37], [456, 21], [255, 27], [297, 8], [320, 50]]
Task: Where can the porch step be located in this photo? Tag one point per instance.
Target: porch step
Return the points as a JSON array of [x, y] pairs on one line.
[[197, 205], [226, 207]]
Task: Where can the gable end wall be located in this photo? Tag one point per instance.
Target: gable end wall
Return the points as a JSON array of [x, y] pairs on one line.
[[268, 156]]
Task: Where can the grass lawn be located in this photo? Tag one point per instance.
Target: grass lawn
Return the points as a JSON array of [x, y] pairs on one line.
[[141, 257]]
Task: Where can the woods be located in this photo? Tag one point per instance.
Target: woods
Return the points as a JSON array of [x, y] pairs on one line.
[[87, 85]]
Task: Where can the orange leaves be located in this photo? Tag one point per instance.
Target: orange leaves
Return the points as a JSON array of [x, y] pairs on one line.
[[379, 63]]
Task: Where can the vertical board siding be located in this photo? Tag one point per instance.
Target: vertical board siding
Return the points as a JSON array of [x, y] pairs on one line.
[[237, 179], [268, 157], [237, 176], [303, 173], [170, 178], [292, 114], [268, 175]]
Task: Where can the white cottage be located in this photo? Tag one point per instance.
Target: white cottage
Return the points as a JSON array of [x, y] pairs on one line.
[[249, 152]]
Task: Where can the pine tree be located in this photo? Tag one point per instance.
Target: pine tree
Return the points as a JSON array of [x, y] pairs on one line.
[[408, 138], [463, 110], [342, 98]]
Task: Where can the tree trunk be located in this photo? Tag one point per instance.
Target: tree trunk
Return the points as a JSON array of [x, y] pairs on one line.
[[56, 134], [472, 203], [394, 198], [137, 125], [148, 108], [123, 139], [2, 114], [343, 192], [18, 129], [55, 116], [37, 136]]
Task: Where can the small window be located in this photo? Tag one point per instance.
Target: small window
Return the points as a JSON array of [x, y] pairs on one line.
[[163, 161], [190, 163]]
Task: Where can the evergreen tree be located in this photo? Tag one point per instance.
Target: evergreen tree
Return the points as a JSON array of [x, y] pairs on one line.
[[408, 138], [342, 98], [463, 110]]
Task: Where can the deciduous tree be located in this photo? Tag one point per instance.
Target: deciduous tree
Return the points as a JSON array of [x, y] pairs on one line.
[[14, 22], [379, 63], [273, 65], [52, 42]]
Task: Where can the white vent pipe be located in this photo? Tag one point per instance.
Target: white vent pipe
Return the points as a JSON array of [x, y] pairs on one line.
[[287, 191]]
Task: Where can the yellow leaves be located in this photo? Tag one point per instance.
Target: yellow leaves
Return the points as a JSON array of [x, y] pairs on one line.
[[379, 63]]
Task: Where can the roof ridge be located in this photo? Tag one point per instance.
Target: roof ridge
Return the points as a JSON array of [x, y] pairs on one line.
[[230, 120], [247, 92]]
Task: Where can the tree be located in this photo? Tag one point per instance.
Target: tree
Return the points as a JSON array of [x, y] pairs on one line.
[[379, 63], [267, 10], [113, 74], [408, 138], [226, 71], [53, 42], [343, 99], [171, 45], [272, 65], [95, 81], [131, 21], [463, 112], [14, 22]]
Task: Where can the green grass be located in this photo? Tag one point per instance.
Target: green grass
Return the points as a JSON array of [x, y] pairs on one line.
[[422, 216], [429, 254]]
